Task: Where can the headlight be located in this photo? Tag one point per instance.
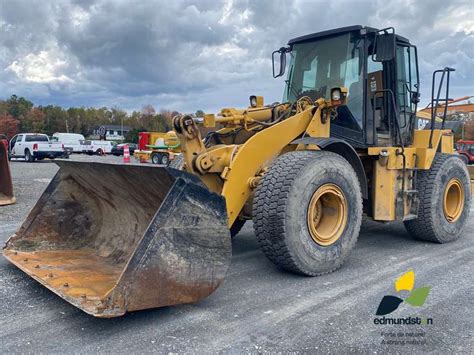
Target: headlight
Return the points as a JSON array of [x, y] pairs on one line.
[[338, 96], [253, 101]]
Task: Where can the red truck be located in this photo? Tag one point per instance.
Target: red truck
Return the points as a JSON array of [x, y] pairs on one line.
[[466, 151]]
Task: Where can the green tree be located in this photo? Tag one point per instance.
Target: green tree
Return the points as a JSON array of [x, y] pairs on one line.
[[18, 107], [199, 113], [132, 136], [34, 121]]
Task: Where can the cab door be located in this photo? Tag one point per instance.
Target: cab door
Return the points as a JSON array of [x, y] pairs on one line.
[[407, 85], [15, 145]]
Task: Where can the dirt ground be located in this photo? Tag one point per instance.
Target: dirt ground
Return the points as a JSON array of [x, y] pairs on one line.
[[258, 308]]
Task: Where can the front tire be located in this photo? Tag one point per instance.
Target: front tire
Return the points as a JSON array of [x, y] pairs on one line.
[[445, 199], [308, 211], [156, 158]]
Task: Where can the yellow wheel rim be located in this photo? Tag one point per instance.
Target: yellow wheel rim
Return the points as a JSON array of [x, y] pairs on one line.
[[453, 200], [327, 214]]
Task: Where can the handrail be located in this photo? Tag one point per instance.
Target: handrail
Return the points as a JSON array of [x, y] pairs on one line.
[[446, 71]]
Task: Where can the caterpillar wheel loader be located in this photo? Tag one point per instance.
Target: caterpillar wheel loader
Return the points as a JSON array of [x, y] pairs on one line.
[[6, 186], [343, 143]]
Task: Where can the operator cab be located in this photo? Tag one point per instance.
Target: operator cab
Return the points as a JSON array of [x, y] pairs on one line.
[[379, 69]]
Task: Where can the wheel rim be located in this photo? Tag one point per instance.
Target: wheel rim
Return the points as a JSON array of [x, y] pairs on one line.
[[327, 214], [453, 200], [164, 160], [154, 159]]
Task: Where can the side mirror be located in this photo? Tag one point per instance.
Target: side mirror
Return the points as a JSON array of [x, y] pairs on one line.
[[385, 47], [415, 97], [282, 51]]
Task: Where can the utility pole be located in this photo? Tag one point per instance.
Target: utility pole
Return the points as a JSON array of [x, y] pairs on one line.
[[123, 135]]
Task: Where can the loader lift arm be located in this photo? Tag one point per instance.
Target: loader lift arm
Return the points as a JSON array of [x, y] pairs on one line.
[[234, 170]]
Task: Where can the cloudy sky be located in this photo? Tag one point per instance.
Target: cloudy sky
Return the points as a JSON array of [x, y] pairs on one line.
[[201, 54]]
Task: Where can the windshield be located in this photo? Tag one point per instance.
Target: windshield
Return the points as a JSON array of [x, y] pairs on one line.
[[318, 66]]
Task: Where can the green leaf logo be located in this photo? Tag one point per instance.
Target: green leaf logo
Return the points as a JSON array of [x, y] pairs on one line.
[[418, 296]]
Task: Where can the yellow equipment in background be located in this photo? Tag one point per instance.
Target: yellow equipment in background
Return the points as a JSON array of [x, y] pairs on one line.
[[157, 147], [342, 144]]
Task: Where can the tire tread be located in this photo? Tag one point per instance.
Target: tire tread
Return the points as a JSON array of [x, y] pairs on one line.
[[269, 209]]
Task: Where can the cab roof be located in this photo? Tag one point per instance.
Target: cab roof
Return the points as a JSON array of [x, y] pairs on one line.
[[337, 31]]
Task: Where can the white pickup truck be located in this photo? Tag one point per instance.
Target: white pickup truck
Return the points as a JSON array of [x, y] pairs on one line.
[[32, 146]]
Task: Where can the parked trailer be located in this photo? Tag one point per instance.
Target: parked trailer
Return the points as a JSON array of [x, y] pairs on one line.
[[157, 147]]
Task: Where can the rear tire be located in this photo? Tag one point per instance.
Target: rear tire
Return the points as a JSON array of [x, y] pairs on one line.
[[165, 160], [440, 217], [464, 159], [284, 203], [29, 157]]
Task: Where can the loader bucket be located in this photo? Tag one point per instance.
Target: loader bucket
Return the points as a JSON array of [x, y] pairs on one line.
[[116, 238], [6, 186]]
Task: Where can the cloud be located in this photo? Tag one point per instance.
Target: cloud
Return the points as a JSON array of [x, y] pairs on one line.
[[188, 55], [44, 67]]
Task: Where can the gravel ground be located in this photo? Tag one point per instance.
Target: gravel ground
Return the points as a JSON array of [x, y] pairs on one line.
[[258, 308]]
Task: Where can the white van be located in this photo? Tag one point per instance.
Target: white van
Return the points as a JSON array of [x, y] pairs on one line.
[[97, 147], [70, 140]]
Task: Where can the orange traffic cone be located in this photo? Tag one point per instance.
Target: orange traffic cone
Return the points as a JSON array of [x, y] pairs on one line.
[[126, 154]]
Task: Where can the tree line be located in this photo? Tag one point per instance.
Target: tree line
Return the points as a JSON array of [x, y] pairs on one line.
[[18, 114]]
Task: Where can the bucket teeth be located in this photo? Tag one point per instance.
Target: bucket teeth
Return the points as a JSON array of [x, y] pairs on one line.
[[116, 238]]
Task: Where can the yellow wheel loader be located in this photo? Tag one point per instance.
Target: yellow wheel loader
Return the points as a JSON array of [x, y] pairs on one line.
[[111, 238]]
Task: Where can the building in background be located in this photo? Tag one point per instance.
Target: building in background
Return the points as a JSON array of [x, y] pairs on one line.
[[112, 132], [460, 117]]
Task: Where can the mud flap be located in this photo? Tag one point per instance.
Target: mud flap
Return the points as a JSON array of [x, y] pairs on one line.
[[116, 238], [6, 186]]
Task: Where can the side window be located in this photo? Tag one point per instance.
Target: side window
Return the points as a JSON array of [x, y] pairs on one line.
[[309, 76], [407, 80], [350, 76], [403, 80], [353, 81]]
